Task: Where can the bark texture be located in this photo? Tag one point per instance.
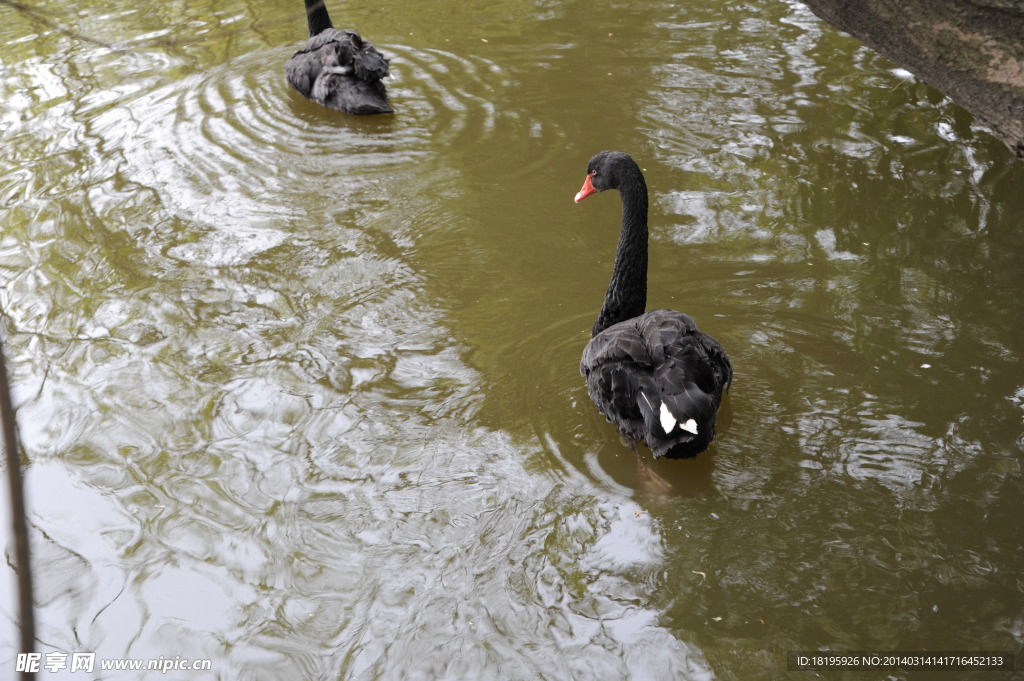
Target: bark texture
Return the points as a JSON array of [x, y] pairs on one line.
[[970, 50]]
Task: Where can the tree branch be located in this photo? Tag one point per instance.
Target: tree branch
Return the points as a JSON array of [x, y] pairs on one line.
[[18, 521]]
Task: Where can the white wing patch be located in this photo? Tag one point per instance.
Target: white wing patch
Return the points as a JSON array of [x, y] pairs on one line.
[[668, 422]]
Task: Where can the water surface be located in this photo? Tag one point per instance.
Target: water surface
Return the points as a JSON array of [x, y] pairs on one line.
[[299, 391]]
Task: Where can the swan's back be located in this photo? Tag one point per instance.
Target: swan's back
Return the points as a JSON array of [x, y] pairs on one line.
[[659, 379], [340, 70]]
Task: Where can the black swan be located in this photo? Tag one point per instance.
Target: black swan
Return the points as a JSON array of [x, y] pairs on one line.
[[654, 375], [337, 68]]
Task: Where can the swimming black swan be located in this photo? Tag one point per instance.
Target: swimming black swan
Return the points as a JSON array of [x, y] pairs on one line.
[[654, 375], [338, 68]]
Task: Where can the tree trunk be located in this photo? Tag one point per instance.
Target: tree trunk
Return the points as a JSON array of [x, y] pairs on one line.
[[970, 50]]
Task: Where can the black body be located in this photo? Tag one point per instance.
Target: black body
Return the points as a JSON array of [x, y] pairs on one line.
[[337, 68]]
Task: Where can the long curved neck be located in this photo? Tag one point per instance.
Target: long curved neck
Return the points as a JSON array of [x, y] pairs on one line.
[[317, 16], [627, 293]]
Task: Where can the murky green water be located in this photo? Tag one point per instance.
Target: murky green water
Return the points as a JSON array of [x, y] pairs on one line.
[[299, 391]]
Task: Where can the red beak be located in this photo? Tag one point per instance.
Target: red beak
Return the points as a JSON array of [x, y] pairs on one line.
[[587, 190]]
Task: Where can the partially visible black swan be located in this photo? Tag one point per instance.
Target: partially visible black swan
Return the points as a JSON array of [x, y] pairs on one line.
[[654, 375], [337, 68]]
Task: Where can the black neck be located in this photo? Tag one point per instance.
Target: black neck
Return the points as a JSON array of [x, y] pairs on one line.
[[627, 293], [316, 15]]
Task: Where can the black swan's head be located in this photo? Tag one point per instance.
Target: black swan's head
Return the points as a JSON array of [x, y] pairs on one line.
[[607, 170]]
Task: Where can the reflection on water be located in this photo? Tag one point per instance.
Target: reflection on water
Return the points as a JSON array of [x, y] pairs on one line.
[[299, 392]]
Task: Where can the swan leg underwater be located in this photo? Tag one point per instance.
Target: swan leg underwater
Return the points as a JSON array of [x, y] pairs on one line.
[[655, 375], [337, 68]]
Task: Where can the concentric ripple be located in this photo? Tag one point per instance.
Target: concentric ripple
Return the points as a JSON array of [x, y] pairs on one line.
[[452, 100], [217, 144]]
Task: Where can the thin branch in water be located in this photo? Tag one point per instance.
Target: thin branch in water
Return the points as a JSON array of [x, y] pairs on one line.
[[25, 9], [19, 522], [127, 47]]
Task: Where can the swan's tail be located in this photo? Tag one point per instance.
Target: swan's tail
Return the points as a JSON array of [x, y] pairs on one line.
[[679, 420], [369, 64]]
